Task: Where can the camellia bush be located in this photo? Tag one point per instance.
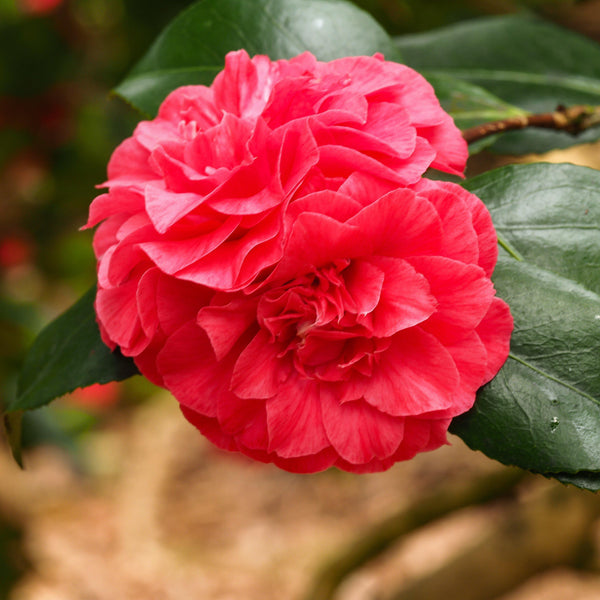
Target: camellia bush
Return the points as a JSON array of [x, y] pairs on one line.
[[288, 245]]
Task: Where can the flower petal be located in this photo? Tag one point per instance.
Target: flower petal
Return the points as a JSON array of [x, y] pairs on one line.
[[193, 103], [117, 309], [360, 432], [400, 224], [188, 367], [295, 420], [416, 375], [171, 256], [259, 372], [494, 330], [405, 299], [243, 87], [463, 293], [226, 323]]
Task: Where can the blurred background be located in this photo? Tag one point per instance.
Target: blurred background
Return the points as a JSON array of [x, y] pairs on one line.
[[121, 499]]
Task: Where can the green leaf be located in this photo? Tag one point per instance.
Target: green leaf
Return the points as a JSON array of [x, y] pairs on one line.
[[191, 50], [68, 354], [588, 480], [524, 61], [469, 104], [542, 411], [550, 214]]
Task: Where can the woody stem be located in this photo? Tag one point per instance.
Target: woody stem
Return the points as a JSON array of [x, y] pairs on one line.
[[572, 119]]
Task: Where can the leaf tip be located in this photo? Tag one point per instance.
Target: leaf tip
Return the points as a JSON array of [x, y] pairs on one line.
[[12, 425]]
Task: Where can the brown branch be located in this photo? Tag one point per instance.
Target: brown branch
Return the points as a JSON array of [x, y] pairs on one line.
[[549, 526], [572, 119], [439, 503]]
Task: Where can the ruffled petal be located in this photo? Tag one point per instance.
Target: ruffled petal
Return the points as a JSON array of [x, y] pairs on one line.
[[463, 293], [120, 200], [258, 371], [171, 256], [225, 324], [244, 86], [460, 241], [494, 330], [129, 164], [399, 224], [189, 369], [359, 432], [451, 150], [405, 300], [117, 309], [210, 428], [416, 375], [295, 420], [191, 103]]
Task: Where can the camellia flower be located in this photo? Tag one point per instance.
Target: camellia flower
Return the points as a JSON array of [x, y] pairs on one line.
[[271, 254]]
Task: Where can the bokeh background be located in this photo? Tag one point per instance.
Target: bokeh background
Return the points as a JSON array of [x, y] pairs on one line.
[[121, 498]]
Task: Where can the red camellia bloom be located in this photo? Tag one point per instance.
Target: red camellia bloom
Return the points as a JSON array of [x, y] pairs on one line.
[[271, 254]]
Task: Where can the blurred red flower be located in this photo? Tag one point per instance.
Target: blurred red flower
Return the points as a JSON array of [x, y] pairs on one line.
[[39, 7], [96, 396], [15, 250]]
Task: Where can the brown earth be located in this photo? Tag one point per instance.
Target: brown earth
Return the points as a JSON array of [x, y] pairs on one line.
[[164, 516]]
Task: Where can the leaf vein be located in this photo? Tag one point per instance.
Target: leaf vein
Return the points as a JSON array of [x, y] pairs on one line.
[[555, 379], [301, 45], [581, 84]]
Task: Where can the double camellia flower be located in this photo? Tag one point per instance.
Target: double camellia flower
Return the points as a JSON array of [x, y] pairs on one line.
[[270, 252]]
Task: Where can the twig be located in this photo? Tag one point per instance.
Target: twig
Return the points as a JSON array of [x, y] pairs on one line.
[[572, 119]]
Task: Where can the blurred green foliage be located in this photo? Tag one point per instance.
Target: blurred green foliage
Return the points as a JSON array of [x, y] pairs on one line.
[[58, 127], [409, 16]]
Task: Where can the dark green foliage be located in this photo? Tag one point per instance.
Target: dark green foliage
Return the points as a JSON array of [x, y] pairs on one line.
[[542, 411], [68, 354], [524, 61], [192, 48]]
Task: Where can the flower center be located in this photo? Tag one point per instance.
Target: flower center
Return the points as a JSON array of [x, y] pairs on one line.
[[188, 130], [310, 320]]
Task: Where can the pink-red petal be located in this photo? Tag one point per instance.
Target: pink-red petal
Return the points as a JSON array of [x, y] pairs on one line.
[[415, 375], [359, 432], [295, 420]]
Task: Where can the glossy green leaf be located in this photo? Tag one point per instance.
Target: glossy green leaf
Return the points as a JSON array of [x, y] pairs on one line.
[[524, 61], [588, 480], [469, 104], [542, 411], [192, 48], [550, 214], [66, 355]]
